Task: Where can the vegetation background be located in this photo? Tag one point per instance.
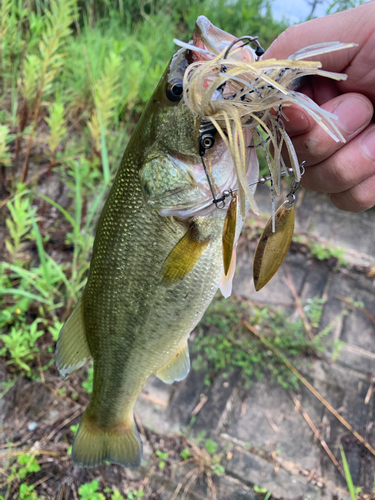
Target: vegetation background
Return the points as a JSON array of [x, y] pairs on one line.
[[74, 78]]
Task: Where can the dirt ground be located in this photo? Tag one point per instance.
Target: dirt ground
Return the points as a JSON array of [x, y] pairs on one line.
[[271, 442]]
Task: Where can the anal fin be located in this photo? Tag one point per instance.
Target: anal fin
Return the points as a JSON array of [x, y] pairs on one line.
[[177, 368], [72, 350]]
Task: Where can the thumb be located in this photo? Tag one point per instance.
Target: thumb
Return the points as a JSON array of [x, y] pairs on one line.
[[354, 25]]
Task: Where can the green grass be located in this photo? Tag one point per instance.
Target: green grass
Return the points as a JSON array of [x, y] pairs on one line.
[[23, 466], [223, 344], [326, 252], [353, 491]]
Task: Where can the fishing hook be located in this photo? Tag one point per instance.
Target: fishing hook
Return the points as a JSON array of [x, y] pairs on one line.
[[259, 51]]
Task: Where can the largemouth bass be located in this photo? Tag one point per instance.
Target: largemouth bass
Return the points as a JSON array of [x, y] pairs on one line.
[[158, 253], [156, 265]]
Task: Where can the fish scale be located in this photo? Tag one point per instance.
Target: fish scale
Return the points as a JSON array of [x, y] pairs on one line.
[[156, 266], [162, 320]]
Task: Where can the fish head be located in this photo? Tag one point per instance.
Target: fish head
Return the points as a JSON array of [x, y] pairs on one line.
[[172, 176]]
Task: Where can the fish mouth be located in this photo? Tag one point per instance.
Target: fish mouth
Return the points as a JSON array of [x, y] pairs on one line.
[[208, 37]]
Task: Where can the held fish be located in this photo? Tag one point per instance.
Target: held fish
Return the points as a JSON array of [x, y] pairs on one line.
[[158, 253], [157, 263]]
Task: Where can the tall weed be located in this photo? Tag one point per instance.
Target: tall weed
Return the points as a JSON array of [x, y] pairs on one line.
[[43, 67]]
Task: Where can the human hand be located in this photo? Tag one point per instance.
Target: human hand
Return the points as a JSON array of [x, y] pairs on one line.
[[345, 170]]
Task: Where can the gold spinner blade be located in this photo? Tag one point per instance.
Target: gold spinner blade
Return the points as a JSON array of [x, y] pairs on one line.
[[273, 246]]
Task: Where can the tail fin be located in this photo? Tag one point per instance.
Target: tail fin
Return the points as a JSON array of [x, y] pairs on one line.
[[94, 445]]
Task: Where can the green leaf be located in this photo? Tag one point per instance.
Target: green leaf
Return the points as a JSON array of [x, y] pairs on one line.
[[23, 293], [55, 329], [74, 429], [106, 171], [217, 469], [348, 476], [185, 454], [210, 446], [42, 256], [67, 215], [88, 491], [88, 383], [258, 489], [117, 496]]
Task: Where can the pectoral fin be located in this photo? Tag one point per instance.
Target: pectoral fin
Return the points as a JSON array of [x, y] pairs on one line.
[[72, 350], [183, 256], [177, 368]]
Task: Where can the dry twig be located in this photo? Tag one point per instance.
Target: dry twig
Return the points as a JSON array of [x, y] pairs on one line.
[[286, 465], [63, 424], [353, 304], [202, 401], [317, 434], [292, 288], [310, 387]]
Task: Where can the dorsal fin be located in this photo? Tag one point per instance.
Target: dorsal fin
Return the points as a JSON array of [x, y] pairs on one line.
[[72, 350], [177, 368]]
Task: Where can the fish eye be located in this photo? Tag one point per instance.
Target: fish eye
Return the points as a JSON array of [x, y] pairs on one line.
[[174, 91]]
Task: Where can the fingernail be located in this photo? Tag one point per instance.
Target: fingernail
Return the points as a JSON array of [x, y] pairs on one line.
[[352, 114], [298, 121], [368, 143]]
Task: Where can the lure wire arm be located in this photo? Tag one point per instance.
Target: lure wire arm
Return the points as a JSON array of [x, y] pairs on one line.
[[261, 180], [214, 200], [291, 196], [220, 202], [207, 133]]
